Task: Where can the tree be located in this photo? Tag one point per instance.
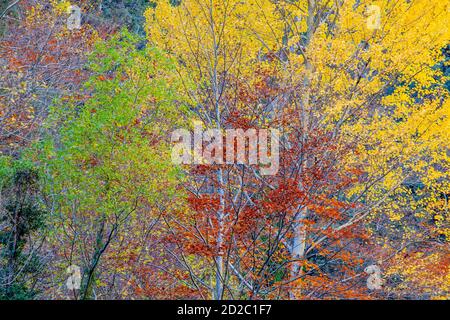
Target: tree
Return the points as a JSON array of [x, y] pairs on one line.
[[41, 60], [110, 163], [22, 221], [366, 83]]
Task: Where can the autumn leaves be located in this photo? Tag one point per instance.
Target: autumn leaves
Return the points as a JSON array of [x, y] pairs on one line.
[[246, 150]]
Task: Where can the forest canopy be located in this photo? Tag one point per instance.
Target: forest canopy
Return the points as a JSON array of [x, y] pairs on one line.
[[347, 102]]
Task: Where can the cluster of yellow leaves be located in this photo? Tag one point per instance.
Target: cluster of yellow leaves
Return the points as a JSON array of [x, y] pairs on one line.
[[204, 34]]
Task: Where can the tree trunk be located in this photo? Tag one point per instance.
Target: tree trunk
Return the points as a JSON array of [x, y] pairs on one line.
[[299, 238]]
